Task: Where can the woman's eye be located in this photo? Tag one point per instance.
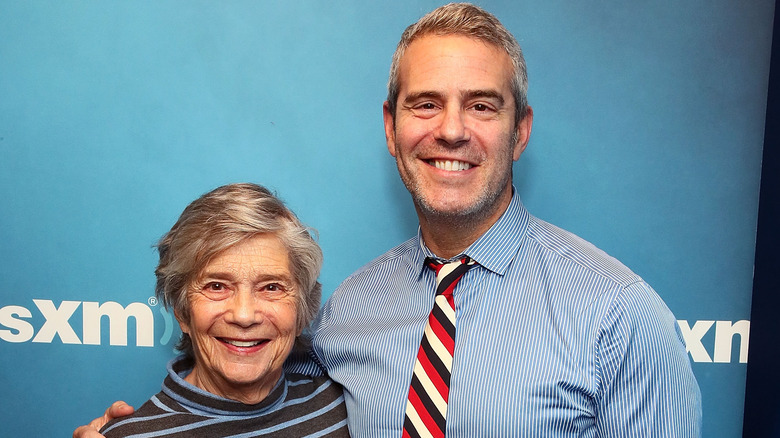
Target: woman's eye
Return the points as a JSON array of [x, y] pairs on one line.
[[276, 289], [216, 287]]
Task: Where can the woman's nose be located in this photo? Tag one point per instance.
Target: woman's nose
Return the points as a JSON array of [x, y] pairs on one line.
[[244, 309]]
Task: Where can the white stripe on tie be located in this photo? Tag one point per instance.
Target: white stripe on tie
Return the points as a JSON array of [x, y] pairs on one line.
[[430, 389], [445, 271], [438, 348], [417, 421], [446, 308]]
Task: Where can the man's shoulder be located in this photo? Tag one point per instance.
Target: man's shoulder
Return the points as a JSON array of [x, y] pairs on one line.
[[387, 262], [564, 247], [376, 274]]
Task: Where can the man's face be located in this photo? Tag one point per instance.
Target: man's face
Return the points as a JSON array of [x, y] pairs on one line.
[[454, 136]]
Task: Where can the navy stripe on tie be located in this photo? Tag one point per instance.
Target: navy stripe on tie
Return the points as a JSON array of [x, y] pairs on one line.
[[435, 360], [428, 403]]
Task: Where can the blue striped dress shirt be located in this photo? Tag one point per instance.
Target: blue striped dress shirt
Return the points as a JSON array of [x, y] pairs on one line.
[[554, 339]]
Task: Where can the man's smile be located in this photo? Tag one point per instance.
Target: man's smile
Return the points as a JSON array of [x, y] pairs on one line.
[[450, 164]]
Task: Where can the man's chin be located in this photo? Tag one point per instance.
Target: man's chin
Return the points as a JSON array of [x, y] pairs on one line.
[[458, 209], [449, 211]]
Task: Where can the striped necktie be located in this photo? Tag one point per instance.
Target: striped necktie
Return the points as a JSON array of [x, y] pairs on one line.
[[426, 409]]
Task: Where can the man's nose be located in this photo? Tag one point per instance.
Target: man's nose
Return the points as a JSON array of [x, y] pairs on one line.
[[453, 130]]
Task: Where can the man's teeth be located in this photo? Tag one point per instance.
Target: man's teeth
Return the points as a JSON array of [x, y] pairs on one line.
[[242, 343], [451, 165]]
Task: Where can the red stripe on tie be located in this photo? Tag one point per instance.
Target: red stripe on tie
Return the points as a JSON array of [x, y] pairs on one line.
[[442, 334], [426, 418], [448, 292], [434, 376]]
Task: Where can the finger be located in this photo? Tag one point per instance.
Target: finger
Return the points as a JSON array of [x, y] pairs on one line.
[[118, 409], [86, 432]]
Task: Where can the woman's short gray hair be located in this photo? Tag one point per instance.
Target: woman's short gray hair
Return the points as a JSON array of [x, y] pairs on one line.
[[471, 21], [221, 219]]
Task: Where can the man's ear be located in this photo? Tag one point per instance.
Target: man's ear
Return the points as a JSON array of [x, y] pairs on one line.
[[523, 133], [387, 115]]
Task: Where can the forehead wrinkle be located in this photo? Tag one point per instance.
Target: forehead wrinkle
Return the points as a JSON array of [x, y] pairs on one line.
[[269, 274]]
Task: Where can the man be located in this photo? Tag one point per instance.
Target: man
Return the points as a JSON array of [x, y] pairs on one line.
[[553, 337]]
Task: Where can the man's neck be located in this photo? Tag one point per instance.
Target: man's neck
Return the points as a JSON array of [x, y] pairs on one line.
[[449, 236]]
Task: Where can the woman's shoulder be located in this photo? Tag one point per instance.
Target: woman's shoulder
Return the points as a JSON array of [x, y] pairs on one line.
[[300, 385], [321, 395]]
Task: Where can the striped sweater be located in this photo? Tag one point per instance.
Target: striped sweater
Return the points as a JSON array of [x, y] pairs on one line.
[[298, 406]]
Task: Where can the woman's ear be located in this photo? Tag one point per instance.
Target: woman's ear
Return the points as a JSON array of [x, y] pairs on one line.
[[183, 325]]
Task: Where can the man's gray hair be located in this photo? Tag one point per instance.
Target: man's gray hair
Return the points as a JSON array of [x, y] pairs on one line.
[[471, 21], [223, 218]]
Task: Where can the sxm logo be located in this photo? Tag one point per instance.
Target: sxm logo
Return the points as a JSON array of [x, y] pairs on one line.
[[724, 336], [15, 327]]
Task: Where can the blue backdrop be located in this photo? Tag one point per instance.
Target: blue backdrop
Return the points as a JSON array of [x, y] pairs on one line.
[[114, 115]]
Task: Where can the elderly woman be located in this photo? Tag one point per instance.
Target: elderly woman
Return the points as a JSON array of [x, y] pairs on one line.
[[240, 272]]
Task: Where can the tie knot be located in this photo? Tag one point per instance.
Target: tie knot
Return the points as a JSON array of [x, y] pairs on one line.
[[448, 273], [437, 264]]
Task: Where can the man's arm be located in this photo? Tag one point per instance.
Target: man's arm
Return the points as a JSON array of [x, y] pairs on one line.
[[646, 385], [303, 359], [91, 430]]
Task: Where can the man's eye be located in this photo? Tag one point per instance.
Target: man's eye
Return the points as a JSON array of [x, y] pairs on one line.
[[481, 107], [215, 286], [426, 106]]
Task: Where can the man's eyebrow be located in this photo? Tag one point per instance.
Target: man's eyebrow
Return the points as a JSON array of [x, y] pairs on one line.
[[420, 95], [465, 95], [484, 94]]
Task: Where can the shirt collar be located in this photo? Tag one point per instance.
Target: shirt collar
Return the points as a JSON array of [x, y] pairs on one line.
[[495, 249]]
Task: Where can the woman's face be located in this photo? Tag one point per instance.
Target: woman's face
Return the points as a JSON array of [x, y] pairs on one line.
[[242, 319]]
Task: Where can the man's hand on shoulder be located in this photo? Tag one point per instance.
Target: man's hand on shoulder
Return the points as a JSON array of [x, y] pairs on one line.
[[91, 430]]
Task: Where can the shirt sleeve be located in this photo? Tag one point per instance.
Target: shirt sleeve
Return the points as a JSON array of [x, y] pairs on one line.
[[303, 360], [645, 383]]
